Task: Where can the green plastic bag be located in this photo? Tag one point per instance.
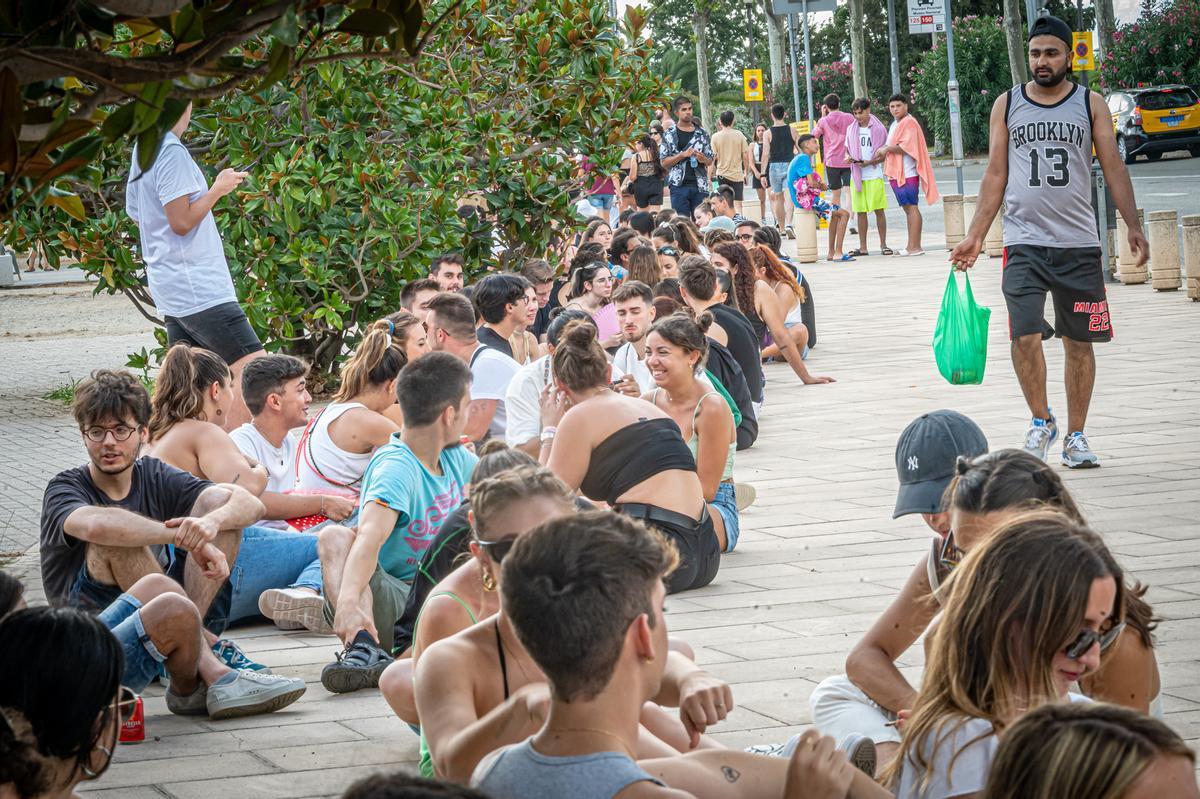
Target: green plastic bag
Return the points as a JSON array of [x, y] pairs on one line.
[[960, 338]]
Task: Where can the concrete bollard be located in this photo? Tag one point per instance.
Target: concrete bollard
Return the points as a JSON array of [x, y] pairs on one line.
[[994, 242], [952, 208], [1163, 231], [805, 225], [1129, 273], [1191, 255]]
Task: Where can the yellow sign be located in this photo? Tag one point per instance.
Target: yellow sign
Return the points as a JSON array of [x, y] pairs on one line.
[[1083, 56], [752, 85]]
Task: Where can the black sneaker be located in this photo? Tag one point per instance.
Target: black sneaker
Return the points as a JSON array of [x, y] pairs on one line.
[[357, 666]]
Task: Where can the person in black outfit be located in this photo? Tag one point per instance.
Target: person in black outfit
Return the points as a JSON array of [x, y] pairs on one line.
[[779, 146], [501, 302]]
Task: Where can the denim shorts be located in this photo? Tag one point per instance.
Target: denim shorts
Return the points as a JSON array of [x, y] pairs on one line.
[[726, 504], [142, 659], [270, 558], [777, 175], [601, 201]]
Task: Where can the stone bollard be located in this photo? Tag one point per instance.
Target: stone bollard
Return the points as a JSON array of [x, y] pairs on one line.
[[1129, 272], [1163, 231], [806, 236], [994, 242], [1191, 255], [952, 208]]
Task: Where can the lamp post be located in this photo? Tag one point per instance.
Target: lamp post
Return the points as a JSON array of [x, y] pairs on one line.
[[750, 55]]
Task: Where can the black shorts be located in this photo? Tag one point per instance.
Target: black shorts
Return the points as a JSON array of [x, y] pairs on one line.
[[736, 185], [699, 550], [838, 177], [648, 192], [1075, 280], [223, 329]]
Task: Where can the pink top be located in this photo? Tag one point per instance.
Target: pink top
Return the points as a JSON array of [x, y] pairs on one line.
[[832, 128]]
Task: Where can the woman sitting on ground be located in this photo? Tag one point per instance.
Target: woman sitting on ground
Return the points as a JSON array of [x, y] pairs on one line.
[[1082, 751], [1018, 632], [668, 262], [599, 231], [335, 448], [717, 236], [676, 353], [479, 690], [409, 335], [61, 701], [986, 493], [808, 309], [524, 344], [626, 452], [771, 270], [591, 288], [192, 394], [761, 306], [687, 235]]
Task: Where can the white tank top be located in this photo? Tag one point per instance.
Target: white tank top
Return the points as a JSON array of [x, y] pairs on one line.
[[322, 465]]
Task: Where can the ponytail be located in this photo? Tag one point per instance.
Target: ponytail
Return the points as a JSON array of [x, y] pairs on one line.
[[185, 375], [376, 362]]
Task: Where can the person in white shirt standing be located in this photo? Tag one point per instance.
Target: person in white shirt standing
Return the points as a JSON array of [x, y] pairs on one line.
[[171, 203], [868, 187]]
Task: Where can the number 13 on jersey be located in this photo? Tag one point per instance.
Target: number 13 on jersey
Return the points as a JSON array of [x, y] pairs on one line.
[[1049, 164]]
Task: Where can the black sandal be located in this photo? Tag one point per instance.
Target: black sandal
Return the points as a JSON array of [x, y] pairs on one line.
[[857, 253], [887, 251]]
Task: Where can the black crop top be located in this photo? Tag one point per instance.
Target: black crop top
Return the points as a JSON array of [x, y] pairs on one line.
[[634, 454]]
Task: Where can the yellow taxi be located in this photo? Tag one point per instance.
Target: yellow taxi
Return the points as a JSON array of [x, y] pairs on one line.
[[1156, 119]]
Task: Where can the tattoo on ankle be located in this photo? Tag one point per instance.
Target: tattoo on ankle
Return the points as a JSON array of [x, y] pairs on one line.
[[731, 774]]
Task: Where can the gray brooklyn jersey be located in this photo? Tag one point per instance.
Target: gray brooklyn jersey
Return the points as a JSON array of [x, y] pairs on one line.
[[1048, 197]]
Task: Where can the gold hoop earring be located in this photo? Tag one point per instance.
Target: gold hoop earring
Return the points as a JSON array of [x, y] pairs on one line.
[[489, 582]]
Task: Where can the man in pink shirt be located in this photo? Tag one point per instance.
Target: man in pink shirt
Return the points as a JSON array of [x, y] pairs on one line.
[[832, 132]]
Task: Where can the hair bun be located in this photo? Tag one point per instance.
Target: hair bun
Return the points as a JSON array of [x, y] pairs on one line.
[[704, 321], [962, 465], [580, 333]]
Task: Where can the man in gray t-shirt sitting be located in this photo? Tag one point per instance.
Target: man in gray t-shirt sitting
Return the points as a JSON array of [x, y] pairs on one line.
[[604, 651]]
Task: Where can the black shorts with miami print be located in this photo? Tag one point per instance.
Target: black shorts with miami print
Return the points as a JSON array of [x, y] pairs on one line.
[[1073, 276]]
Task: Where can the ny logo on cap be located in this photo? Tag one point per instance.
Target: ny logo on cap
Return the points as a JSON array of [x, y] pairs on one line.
[[912, 463]]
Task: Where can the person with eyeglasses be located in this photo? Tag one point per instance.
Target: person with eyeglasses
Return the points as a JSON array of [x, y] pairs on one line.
[[1018, 631], [119, 517], [479, 690], [963, 495]]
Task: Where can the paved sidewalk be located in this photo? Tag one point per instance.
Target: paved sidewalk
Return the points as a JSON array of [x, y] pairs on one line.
[[819, 555]]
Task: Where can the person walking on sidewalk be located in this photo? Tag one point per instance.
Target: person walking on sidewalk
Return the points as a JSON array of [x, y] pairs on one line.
[[1039, 162], [686, 152], [729, 144], [906, 164], [171, 204], [779, 145]]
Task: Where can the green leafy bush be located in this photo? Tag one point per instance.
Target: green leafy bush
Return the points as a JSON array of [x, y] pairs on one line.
[[981, 64], [1162, 46]]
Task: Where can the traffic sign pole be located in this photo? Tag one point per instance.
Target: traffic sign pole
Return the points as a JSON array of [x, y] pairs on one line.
[[795, 72], [956, 144], [808, 66]]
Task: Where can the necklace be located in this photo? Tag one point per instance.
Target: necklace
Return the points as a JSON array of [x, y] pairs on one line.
[[514, 655], [612, 736]]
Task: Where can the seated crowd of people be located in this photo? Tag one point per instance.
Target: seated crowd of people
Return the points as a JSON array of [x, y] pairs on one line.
[[489, 514]]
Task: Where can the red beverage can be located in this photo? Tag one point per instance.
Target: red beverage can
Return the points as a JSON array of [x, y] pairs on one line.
[[134, 730]]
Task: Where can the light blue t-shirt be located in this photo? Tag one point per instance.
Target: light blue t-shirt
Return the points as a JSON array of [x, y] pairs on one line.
[[396, 479], [801, 167]]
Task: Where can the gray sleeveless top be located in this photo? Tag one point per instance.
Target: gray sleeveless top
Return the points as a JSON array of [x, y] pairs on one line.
[[1048, 197], [519, 772]]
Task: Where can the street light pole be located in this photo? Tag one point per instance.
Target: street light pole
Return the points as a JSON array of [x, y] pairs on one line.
[[893, 51], [808, 70], [750, 56], [956, 144]]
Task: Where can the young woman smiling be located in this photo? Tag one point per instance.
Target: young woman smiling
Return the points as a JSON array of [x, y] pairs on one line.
[[676, 349], [1018, 632]]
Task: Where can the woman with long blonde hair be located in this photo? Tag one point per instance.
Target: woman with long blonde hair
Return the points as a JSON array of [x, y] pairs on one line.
[[1082, 751], [1018, 632]]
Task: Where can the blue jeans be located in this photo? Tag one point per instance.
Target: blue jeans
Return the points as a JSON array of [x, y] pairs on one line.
[[726, 504], [602, 201], [685, 199], [124, 618], [271, 558]]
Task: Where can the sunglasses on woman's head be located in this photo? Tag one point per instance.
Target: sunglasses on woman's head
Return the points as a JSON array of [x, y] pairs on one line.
[[496, 550], [1089, 638]]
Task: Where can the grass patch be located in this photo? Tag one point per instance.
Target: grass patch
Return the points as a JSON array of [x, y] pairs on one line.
[[65, 394]]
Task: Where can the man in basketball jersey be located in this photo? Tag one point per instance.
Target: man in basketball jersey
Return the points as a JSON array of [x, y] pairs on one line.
[[1039, 163]]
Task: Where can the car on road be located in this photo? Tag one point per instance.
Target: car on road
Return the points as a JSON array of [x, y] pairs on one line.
[[1153, 120]]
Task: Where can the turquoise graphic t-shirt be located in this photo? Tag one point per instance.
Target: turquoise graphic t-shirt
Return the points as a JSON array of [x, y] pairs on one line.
[[396, 479]]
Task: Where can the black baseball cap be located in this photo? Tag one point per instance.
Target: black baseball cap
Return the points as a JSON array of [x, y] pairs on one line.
[[925, 457], [1052, 26]]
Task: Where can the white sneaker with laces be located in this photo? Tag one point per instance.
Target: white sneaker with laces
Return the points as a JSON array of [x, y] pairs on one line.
[[252, 692], [1077, 453], [1040, 436]]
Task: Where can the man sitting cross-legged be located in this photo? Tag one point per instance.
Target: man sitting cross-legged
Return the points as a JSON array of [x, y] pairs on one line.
[[412, 483], [159, 628], [276, 393], [585, 594], [107, 524]]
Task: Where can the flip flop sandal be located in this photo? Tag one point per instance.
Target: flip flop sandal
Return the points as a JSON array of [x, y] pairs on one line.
[[842, 260], [857, 253], [887, 251]]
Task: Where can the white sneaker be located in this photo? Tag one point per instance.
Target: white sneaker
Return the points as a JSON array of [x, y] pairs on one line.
[[294, 609], [251, 693], [1040, 435], [745, 494], [1077, 454], [860, 751]]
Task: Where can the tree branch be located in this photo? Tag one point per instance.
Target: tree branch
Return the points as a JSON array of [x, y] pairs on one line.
[[142, 8]]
